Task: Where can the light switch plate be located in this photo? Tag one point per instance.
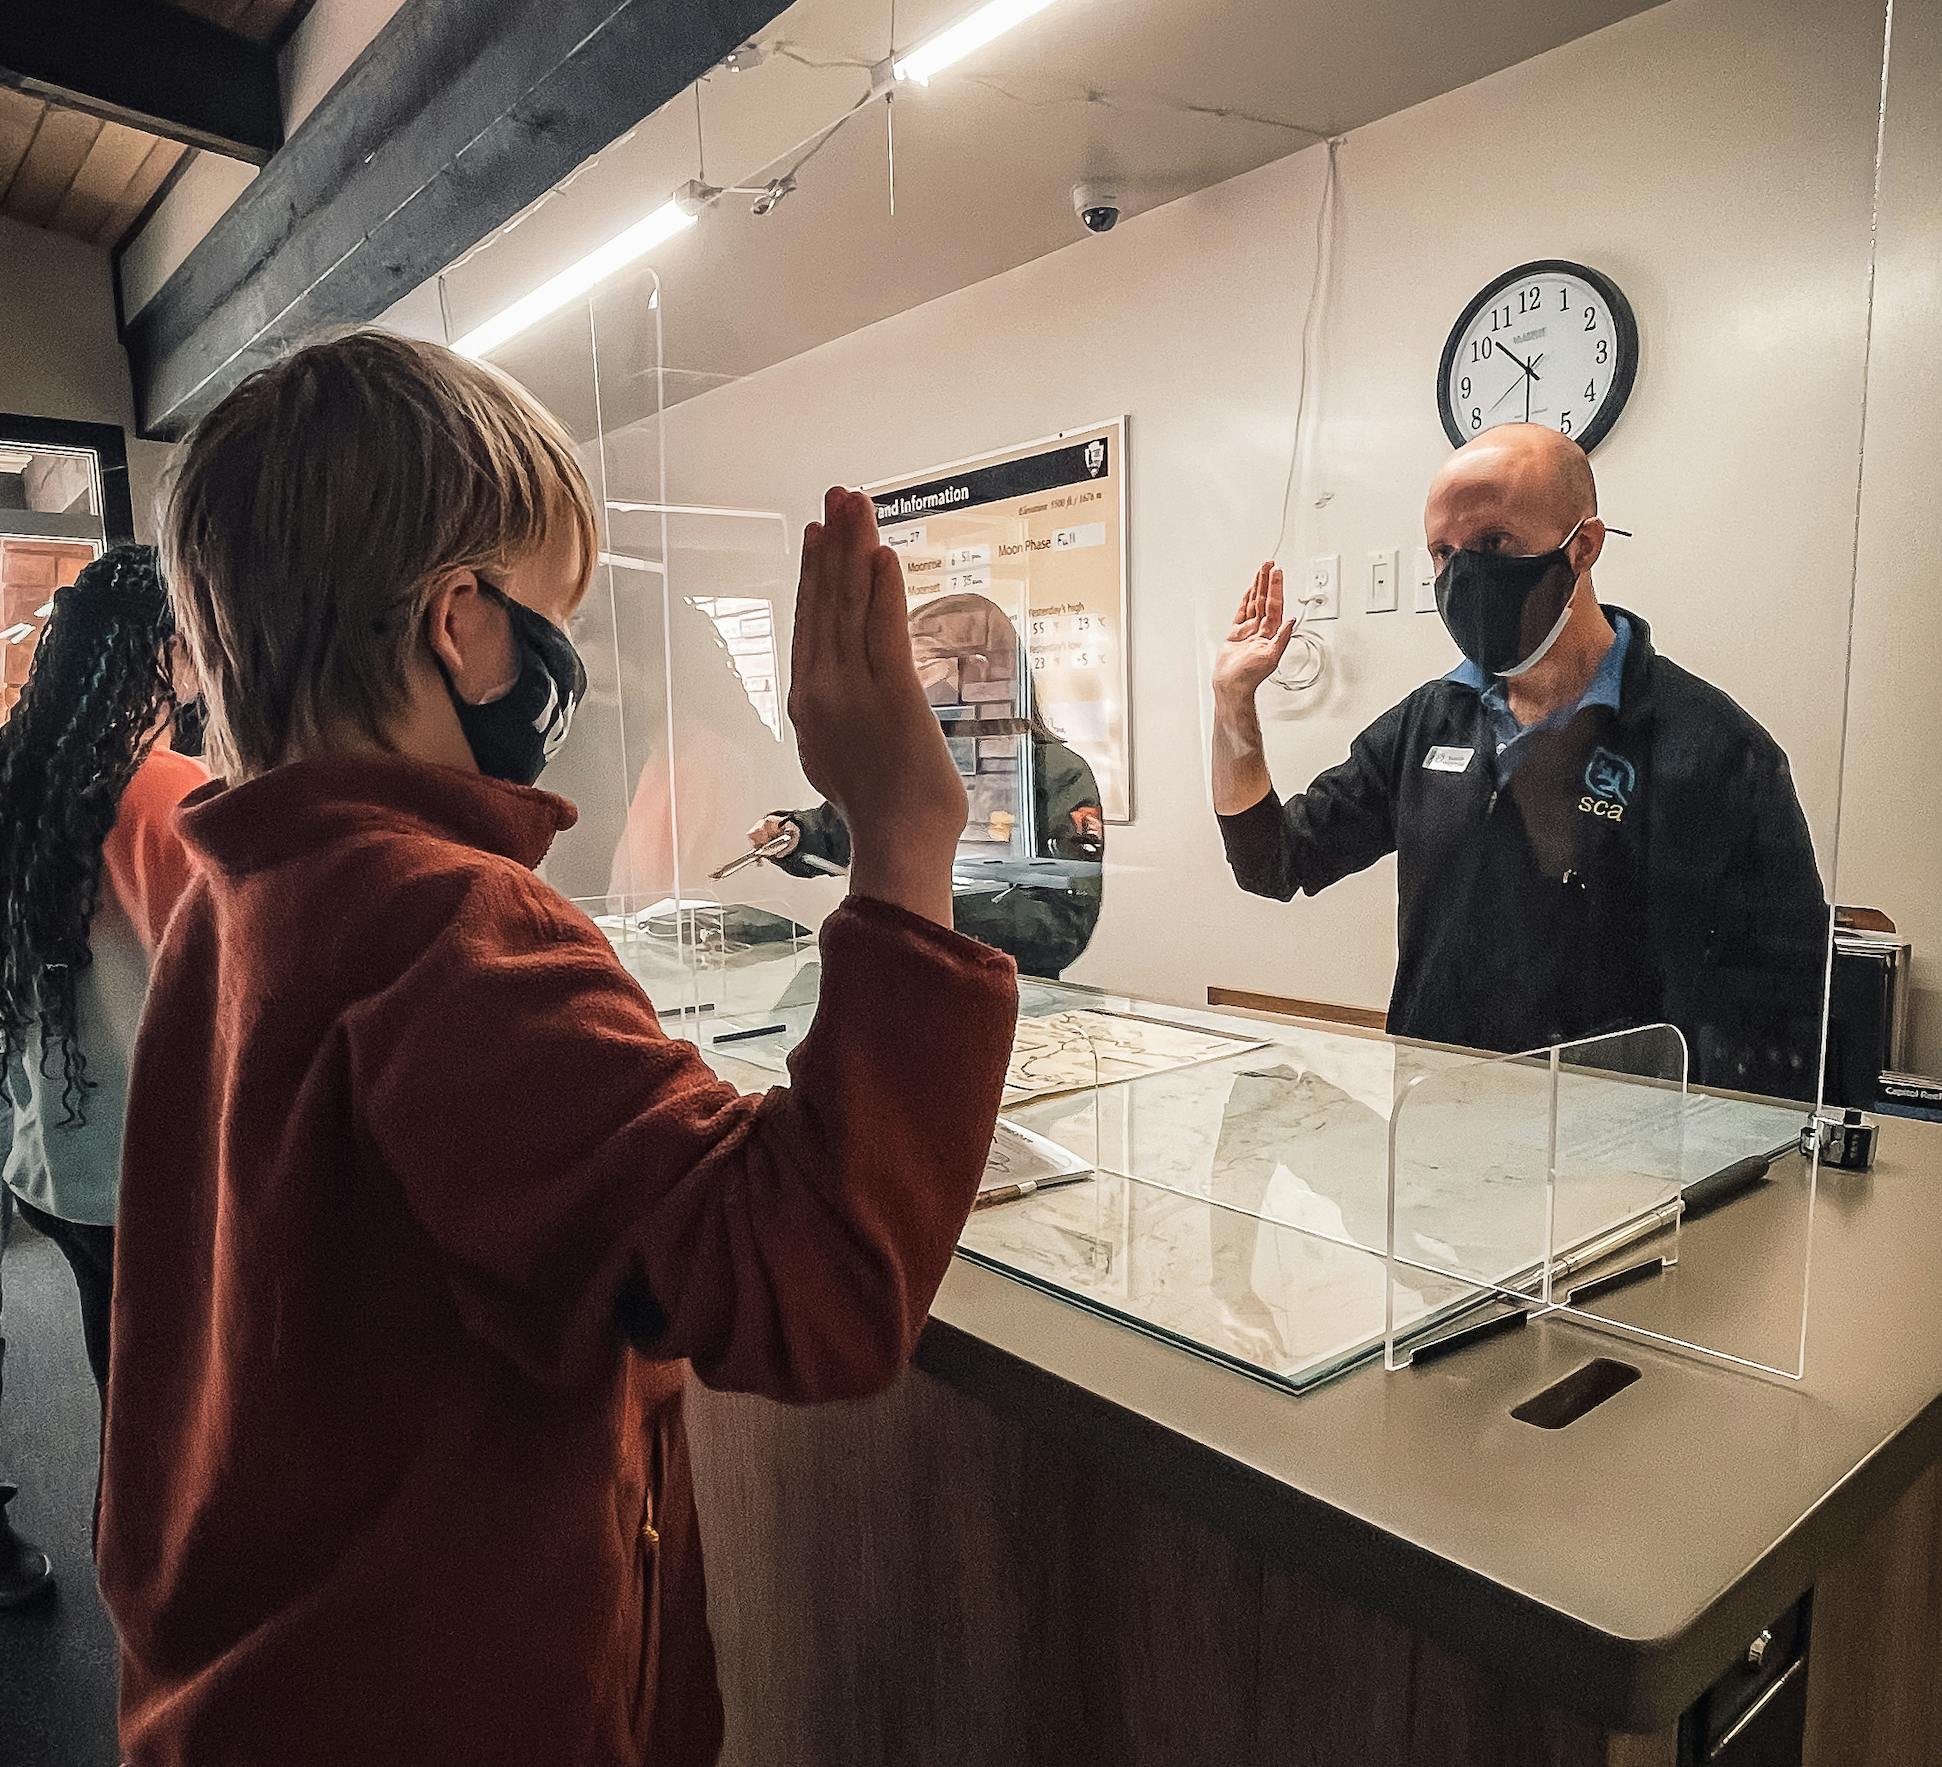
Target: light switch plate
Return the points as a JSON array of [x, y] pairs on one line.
[[1325, 581], [1382, 582], [1424, 576]]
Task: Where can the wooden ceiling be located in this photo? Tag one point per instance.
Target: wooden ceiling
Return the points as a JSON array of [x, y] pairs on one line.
[[73, 173]]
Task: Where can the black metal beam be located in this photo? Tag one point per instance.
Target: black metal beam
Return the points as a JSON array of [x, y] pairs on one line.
[[456, 116], [152, 66]]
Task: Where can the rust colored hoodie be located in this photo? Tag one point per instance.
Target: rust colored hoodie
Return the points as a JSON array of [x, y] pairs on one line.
[[409, 1165]]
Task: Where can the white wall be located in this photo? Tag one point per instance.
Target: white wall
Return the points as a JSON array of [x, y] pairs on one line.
[[59, 355], [196, 202], [333, 34], [1891, 852], [1715, 156]]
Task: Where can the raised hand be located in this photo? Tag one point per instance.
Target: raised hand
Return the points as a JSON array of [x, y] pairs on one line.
[[868, 740], [1256, 642]]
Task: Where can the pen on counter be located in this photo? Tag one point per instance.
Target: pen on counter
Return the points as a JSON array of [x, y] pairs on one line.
[[1016, 1193], [1619, 1239], [1700, 1198], [1615, 1280], [1465, 1335], [1725, 1184], [752, 1031]]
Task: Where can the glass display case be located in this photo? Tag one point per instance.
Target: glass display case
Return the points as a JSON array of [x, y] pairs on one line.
[[1598, 911]]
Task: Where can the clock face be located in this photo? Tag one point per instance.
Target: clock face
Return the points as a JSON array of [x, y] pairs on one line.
[[1552, 343]]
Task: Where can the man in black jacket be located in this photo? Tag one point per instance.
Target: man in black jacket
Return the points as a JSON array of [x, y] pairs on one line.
[[1588, 838]]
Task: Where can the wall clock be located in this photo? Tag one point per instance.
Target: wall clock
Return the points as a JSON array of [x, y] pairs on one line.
[[1550, 342]]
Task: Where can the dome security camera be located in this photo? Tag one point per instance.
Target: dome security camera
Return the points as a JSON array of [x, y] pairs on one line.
[[1097, 205]]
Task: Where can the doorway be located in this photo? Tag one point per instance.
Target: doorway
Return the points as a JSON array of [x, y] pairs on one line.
[[63, 501]]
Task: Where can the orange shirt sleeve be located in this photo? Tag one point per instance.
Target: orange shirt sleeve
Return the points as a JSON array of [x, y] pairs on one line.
[[579, 1167], [146, 865]]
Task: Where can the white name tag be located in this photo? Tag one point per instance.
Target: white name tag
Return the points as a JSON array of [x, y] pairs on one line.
[[1448, 760]]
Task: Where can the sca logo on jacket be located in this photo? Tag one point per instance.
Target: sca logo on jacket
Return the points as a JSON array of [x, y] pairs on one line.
[[1610, 781]]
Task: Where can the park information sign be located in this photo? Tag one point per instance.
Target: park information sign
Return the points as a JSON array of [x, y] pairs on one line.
[[1041, 531]]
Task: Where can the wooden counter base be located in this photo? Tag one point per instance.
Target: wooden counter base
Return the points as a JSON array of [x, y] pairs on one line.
[[916, 1581]]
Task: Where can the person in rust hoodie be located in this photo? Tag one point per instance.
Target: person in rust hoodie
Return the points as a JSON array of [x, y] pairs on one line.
[[422, 1215]]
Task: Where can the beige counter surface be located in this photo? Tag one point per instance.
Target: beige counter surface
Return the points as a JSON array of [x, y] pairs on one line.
[[1619, 1563]]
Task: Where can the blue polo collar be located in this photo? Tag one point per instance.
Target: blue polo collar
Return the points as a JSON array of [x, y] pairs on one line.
[[1605, 688]]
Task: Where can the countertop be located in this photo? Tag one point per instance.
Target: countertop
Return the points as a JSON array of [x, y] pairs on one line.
[[1620, 1563]]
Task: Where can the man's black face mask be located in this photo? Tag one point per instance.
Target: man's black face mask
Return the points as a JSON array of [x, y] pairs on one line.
[[1505, 612]]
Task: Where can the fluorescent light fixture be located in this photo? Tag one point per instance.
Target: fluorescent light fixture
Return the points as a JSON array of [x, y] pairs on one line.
[[45, 608], [972, 32], [674, 216], [624, 561], [623, 507], [14, 634]]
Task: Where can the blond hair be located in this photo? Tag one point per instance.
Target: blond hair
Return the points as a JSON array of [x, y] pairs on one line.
[[314, 510]]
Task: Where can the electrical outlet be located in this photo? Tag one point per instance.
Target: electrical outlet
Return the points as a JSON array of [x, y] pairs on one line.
[[1382, 582], [1425, 577], [1325, 586]]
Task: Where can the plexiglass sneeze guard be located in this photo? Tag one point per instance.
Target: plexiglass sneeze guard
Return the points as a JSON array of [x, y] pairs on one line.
[[1239, 1203], [1284, 1197], [1558, 1182]]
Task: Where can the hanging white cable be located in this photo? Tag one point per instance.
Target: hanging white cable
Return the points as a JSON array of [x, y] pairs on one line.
[[1306, 659], [1310, 324], [1305, 662]]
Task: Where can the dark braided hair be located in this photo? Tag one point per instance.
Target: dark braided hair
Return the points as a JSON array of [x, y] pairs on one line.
[[97, 696]]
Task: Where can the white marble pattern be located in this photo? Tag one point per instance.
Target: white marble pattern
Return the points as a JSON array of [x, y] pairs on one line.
[[1242, 1204]]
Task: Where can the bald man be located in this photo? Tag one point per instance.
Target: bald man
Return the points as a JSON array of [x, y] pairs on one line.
[[1588, 838]]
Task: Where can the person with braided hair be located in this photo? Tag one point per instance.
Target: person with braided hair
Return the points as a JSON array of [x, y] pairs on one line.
[[90, 867]]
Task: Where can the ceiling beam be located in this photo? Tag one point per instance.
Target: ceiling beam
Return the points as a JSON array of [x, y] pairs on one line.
[[151, 66], [456, 116]]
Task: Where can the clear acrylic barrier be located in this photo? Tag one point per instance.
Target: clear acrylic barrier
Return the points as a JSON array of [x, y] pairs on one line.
[[1242, 1173], [616, 768], [754, 968], [718, 591], [1468, 1193], [1279, 1299], [1660, 1158], [1559, 1181], [727, 392], [653, 941], [1048, 1211]]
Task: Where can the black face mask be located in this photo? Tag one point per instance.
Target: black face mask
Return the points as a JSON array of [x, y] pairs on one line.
[[1506, 612], [514, 736]]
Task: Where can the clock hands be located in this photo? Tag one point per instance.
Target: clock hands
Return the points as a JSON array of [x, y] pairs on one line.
[[1530, 375]]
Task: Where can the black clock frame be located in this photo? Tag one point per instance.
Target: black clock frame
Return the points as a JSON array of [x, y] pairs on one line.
[[1624, 370]]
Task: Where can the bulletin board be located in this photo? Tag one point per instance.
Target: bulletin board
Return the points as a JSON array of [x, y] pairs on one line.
[[1040, 527]]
